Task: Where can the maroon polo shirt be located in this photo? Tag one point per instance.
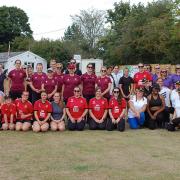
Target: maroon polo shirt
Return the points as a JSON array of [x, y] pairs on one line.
[[88, 82], [70, 82], [17, 77], [59, 79], [38, 79], [49, 85], [103, 82]]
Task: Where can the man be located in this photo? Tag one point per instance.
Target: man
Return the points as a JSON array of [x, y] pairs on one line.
[[157, 73], [176, 77], [16, 81], [53, 65], [139, 76], [166, 79]]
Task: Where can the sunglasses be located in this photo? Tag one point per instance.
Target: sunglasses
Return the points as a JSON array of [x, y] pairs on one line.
[[140, 66], [90, 67], [76, 91], [157, 68], [103, 70], [116, 91], [164, 71], [73, 62]]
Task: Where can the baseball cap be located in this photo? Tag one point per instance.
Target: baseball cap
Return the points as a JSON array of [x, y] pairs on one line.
[[49, 70], [71, 66]]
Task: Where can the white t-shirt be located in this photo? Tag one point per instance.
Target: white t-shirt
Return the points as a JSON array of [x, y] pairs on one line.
[[138, 104], [174, 95], [177, 107], [165, 92]]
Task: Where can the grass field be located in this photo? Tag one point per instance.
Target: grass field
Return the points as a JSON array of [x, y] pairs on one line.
[[140, 154]]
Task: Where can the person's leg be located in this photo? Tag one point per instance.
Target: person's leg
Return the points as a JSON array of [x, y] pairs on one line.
[[109, 125], [36, 127], [5, 126], [54, 126], [61, 126], [92, 124], [160, 120], [152, 124], [121, 125], [11, 126], [133, 123], [45, 127], [19, 126], [142, 119], [26, 126], [71, 125], [102, 126], [80, 125]]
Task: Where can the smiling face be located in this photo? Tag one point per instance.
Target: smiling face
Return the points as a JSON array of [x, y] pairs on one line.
[[141, 67], [77, 92], [18, 64], [98, 93]]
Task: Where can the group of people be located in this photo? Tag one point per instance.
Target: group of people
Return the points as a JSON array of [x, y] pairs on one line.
[[67, 98]]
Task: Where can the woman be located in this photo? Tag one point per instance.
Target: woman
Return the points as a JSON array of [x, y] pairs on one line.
[[176, 117], [24, 112], [50, 84], [76, 110], [8, 112], [42, 113], [29, 73], [98, 107], [88, 81], [155, 108], [117, 109], [137, 107], [104, 82], [58, 113], [16, 81], [36, 82], [58, 76], [70, 81]]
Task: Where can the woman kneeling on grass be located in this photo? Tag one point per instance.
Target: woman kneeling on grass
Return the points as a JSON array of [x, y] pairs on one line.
[[42, 113], [137, 106], [76, 111], [58, 113], [24, 112], [8, 111], [117, 109], [98, 111]]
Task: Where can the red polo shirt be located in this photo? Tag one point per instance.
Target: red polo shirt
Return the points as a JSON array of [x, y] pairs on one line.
[[98, 107], [42, 108], [76, 106], [117, 108], [8, 109], [17, 77], [88, 82], [59, 79], [25, 108]]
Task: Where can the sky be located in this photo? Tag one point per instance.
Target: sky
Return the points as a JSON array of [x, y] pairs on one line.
[[50, 18]]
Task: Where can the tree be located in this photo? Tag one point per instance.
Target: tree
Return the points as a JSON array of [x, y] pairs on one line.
[[91, 23], [13, 23]]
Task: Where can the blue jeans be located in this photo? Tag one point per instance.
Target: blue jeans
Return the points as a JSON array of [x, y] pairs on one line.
[[134, 123]]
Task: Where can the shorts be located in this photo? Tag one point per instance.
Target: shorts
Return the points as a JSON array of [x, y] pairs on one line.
[[23, 121]]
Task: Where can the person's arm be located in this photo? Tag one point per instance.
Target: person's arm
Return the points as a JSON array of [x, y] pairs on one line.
[[5, 119], [36, 117], [62, 92], [69, 115], [174, 115], [11, 118], [104, 116], [107, 90], [53, 92], [64, 114], [9, 82], [131, 89], [25, 84], [47, 117], [92, 115], [162, 106], [120, 87], [32, 87], [83, 115], [122, 115], [111, 116]]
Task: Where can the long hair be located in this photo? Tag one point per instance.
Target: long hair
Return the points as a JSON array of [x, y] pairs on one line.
[[119, 98], [61, 104]]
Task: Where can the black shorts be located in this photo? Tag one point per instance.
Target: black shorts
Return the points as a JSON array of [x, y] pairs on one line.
[[23, 121]]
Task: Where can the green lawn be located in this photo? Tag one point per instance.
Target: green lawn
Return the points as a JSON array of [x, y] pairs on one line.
[[133, 154]]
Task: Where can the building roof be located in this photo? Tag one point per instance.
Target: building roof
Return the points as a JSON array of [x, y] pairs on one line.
[[5, 56]]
